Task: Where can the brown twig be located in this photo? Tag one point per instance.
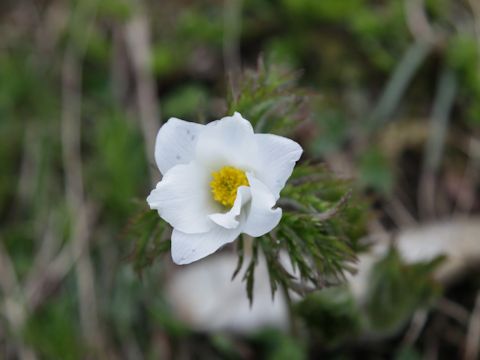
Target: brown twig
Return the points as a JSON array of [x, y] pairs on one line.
[[13, 305], [291, 204], [137, 37], [439, 122], [472, 346], [74, 188], [453, 310], [417, 324], [396, 86], [328, 214], [399, 212], [231, 43], [40, 283], [72, 162], [417, 21]]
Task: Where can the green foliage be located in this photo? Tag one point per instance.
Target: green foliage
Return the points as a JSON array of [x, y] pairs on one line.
[[320, 229], [186, 102], [462, 55], [161, 312], [378, 28], [151, 238], [329, 10], [123, 307], [270, 98], [319, 226], [332, 314], [333, 128], [204, 26], [164, 59], [119, 147], [53, 331], [225, 346], [115, 9], [278, 346], [375, 171], [407, 353], [396, 289], [10, 136], [24, 90]]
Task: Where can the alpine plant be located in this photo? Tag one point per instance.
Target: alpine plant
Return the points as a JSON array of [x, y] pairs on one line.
[[219, 180]]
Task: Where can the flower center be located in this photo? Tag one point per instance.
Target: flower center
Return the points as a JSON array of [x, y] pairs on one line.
[[225, 183]]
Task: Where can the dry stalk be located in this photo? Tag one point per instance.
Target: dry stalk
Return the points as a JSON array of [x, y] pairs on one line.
[[137, 38]]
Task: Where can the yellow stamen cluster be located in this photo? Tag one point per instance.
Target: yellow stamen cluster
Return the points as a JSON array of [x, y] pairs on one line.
[[225, 183]]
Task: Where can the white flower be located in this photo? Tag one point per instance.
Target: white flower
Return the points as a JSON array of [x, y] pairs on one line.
[[219, 180]]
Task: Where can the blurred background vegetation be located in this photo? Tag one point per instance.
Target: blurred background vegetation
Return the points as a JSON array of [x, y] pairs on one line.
[[394, 103]]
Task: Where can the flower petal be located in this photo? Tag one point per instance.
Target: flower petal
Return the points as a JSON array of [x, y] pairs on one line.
[[183, 200], [277, 160], [228, 141], [229, 220], [261, 217], [175, 143], [187, 248]]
